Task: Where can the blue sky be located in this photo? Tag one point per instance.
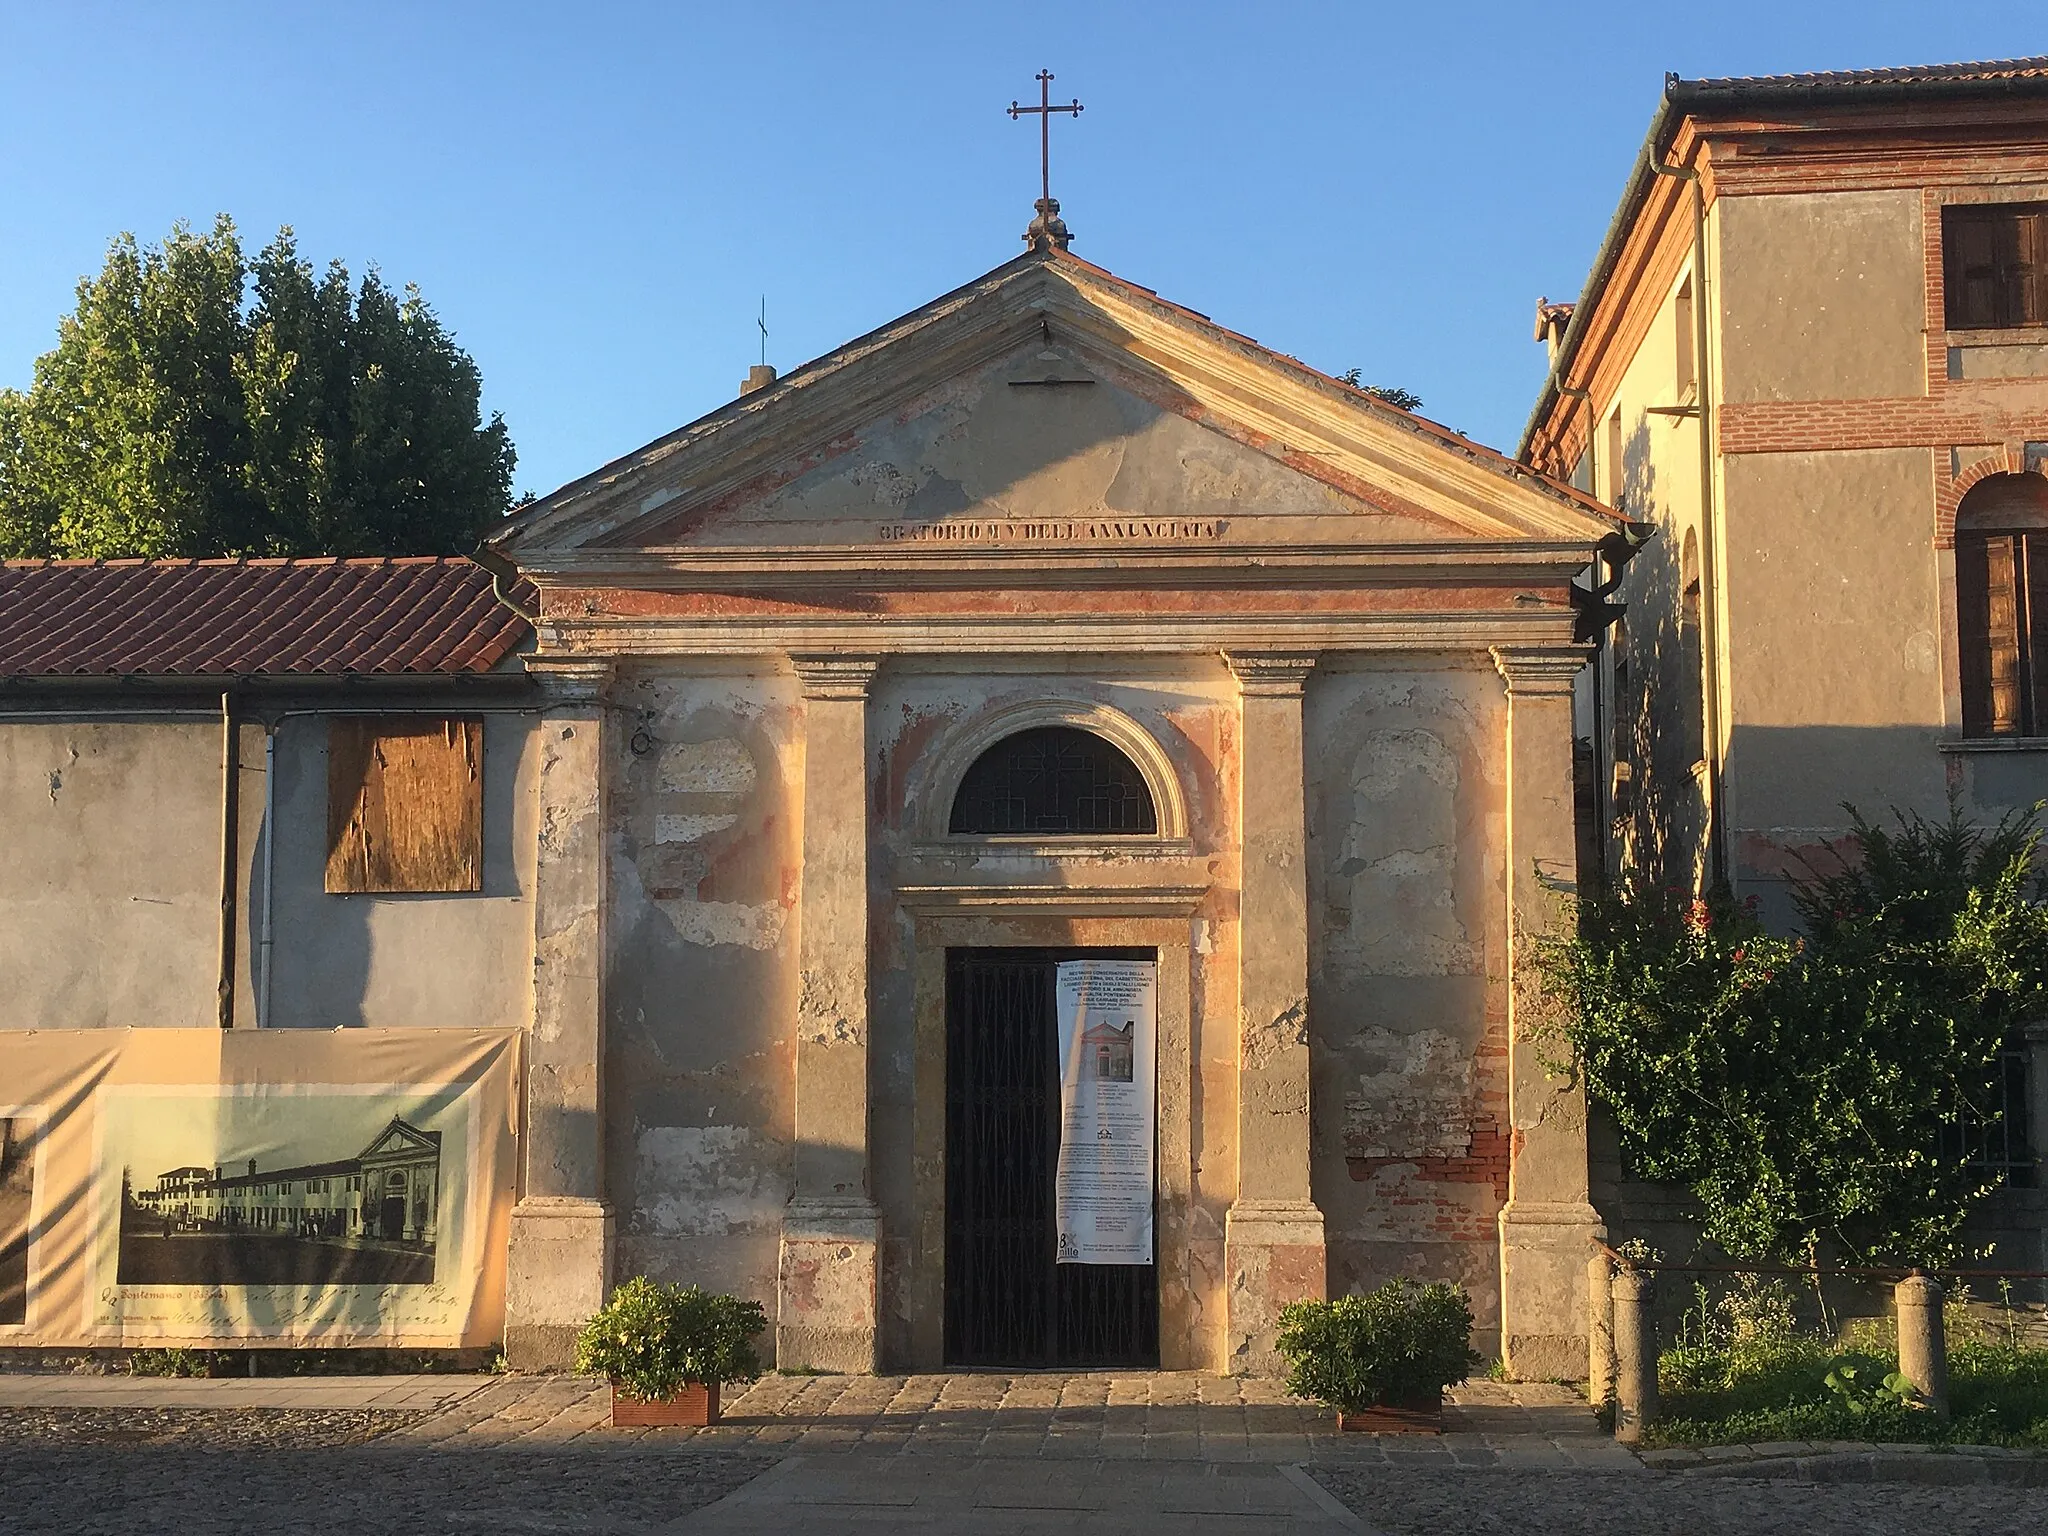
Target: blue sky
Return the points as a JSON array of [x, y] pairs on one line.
[[595, 197]]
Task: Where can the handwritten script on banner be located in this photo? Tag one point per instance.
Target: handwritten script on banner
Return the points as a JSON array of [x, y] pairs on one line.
[[1053, 531]]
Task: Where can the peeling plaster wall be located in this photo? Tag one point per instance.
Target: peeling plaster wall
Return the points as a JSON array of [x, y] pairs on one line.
[[1407, 1008], [1192, 715], [707, 773]]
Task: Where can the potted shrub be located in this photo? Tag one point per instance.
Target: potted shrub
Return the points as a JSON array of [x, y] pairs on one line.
[[1382, 1360], [668, 1349]]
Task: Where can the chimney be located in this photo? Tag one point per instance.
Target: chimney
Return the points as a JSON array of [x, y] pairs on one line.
[[760, 376], [1551, 323], [252, 1167]]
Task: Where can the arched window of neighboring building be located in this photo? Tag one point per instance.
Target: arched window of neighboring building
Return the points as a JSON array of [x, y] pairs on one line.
[[2002, 606], [1053, 780]]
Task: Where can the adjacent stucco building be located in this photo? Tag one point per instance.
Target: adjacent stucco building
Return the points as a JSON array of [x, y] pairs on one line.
[[1811, 362]]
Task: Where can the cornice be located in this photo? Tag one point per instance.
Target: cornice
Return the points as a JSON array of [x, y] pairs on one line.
[[1271, 674], [834, 676], [1136, 633], [909, 565], [1540, 672], [570, 679]]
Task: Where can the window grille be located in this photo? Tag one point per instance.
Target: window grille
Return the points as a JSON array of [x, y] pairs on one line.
[[1053, 780], [2001, 1140]]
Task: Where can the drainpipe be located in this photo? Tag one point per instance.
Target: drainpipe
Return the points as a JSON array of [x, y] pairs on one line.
[[1710, 585], [269, 871], [230, 774]]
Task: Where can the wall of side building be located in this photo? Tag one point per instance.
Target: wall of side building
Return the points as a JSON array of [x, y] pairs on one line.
[[1837, 660], [110, 885]]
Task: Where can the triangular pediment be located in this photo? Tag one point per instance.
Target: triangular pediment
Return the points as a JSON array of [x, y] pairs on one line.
[[1051, 412], [398, 1139]]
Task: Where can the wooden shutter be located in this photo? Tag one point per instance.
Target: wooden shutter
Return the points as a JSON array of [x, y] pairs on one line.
[[2030, 274], [2035, 660], [404, 804], [1970, 268], [1987, 615]]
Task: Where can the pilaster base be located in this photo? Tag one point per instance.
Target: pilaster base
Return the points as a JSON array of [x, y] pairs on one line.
[[1273, 1253], [558, 1270], [1544, 1246], [829, 1290]]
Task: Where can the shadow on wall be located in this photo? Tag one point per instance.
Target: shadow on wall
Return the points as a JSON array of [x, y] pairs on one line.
[[325, 947], [1655, 711]]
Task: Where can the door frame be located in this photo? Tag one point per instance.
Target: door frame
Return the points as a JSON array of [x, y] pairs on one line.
[[1050, 959], [1158, 921]]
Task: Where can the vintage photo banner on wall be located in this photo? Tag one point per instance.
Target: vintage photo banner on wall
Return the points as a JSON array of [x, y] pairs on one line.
[[194, 1187], [1109, 1024]]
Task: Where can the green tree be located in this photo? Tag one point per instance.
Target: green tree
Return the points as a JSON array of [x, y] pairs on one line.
[[1818, 1089], [199, 404]]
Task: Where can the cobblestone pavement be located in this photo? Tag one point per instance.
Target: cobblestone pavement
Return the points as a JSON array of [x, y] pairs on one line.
[[1424, 1501], [1179, 1453]]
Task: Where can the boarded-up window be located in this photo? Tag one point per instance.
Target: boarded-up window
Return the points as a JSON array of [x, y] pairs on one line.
[[1995, 265], [405, 803]]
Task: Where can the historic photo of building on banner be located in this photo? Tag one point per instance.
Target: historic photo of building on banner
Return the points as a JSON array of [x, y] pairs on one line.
[[1108, 1023], [288, 1207]]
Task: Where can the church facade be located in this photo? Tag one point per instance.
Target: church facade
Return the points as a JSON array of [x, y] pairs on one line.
[[1051, 621]]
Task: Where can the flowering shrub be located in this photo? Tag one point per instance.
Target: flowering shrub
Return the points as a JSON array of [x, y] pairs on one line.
[[651, 1338], [1806, 1090]]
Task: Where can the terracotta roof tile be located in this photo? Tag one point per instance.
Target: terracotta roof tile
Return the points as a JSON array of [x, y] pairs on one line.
[[1983, 70], [216, 618]]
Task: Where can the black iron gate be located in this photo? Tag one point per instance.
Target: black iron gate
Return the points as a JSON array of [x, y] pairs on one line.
[[1007, 1302]]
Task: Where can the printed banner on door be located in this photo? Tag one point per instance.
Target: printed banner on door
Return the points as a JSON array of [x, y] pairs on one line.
[[1109, 1023]]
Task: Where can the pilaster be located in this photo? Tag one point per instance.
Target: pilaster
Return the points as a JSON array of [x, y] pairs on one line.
[[1548, 1224], [831, 1233], [1273, 1239], [559, 1259]]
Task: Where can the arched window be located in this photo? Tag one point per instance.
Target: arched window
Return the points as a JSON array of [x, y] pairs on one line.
[[1055, 780], [2002, 606]]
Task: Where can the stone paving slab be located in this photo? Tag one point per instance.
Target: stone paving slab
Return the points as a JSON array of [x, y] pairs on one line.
[[833, 1494], [1110, 1416], [415, 1393]]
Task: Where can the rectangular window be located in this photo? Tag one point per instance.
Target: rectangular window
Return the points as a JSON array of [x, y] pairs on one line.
[[405, 804], [2002, 619], [1682, 337], [1999, 1137], [1995, 265], [1614, 458]]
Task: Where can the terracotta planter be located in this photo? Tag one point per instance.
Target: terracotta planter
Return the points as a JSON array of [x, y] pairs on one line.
[[1395, 1419], [695, 1406]]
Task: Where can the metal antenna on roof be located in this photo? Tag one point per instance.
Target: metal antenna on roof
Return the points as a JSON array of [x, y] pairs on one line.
[[763, 324]]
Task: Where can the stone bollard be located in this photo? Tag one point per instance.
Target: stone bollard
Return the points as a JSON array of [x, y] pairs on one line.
[[1599, 1329], [1923, 1347], [1635, 1354]]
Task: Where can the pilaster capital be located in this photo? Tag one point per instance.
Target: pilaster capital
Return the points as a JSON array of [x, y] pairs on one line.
[[1271, 674], [2035, 1031], [1540, 671], [834, 676], [571, 680]]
